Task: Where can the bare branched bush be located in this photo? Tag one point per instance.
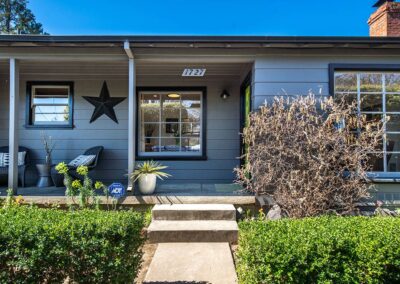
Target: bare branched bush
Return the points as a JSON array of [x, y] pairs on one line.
[[312, 155]]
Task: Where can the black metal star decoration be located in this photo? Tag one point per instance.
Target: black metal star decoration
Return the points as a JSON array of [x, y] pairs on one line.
[[104, 104]]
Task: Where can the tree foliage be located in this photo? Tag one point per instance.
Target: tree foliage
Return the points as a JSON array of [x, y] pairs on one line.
[[16, 18], [312, 156]]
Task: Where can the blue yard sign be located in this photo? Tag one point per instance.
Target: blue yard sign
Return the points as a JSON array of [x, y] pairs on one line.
[[116, 190]]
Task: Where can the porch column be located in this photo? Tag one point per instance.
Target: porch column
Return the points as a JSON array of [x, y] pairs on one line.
[[131, 119], [13, 125]]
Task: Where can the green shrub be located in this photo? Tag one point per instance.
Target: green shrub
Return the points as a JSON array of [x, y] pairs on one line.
[[320, 250], [51, 246]]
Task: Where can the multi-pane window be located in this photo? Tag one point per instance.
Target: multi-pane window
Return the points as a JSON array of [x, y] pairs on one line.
[[378, 98], [50, 105], [170, 123]]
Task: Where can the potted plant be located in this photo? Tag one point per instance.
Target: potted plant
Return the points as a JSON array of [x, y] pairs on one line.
[[44, 170], [48, 144], [146, 174]]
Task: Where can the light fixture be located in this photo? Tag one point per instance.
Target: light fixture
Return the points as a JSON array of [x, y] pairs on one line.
[[225, 95], [174, 96]]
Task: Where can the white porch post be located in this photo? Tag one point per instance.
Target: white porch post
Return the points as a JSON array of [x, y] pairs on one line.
[[13, 125], [132, 114]]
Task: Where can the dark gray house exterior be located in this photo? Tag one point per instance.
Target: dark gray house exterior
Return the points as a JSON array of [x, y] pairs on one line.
[[182, 98]]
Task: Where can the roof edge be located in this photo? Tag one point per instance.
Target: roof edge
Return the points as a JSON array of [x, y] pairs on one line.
[[195, 39]]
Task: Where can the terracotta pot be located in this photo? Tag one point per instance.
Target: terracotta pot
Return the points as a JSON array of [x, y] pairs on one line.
[[147, 183]]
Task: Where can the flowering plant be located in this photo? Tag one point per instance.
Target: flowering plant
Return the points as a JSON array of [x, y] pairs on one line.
[[11, 200], [82, 193]]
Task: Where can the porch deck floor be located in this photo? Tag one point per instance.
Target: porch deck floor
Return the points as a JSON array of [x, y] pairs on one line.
[[170, 193]]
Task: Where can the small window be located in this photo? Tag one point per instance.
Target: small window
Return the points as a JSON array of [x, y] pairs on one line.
[[171, 124], [50, 104], [377, 93]]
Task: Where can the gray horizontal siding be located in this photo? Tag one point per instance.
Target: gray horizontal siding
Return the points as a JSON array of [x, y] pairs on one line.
[[320, 61], [110, 134], [222, 126], [107, 124], [216, 114], [222, 131], [4, 111], [118, 154], [75, 144], [300, 75]]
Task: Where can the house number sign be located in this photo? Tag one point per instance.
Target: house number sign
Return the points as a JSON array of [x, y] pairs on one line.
[[193, 72], [116, 190]]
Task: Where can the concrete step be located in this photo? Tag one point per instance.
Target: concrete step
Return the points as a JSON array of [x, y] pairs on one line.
[[193, 231], [192, 263], [181, 212]]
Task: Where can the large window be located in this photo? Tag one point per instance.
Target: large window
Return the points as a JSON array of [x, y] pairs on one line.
[[49, 104], [171, 123], [378, 98]]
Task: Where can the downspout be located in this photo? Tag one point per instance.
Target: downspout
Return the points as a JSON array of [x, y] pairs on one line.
[[131, 112]]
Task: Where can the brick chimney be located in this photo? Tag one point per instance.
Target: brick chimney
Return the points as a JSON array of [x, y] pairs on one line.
[[386, 20]]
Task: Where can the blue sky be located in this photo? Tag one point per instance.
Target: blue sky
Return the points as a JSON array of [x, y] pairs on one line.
[[204, 17]]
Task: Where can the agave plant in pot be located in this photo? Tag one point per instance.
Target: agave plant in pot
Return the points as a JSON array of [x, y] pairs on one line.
[[146, 174]]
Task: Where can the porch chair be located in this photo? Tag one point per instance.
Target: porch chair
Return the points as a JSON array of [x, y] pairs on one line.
[[21, 168], [95, 151]]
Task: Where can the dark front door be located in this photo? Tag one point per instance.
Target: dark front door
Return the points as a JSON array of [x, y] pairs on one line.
[[245, 109]]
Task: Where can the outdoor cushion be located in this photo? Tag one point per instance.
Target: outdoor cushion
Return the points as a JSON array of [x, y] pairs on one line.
[[82, 160], [5, 159]]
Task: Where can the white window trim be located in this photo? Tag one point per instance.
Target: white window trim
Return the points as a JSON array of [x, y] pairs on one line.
[[142, 154], [384, 176]]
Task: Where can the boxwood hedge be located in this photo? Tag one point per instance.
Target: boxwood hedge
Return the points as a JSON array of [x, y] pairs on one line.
[[320, 250], [54, 246]]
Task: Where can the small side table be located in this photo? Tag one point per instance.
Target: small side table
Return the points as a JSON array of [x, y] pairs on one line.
[[44, 172]]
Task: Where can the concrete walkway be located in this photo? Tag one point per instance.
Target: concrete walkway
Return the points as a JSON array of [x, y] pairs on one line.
[[192, 263], [193, 244]]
